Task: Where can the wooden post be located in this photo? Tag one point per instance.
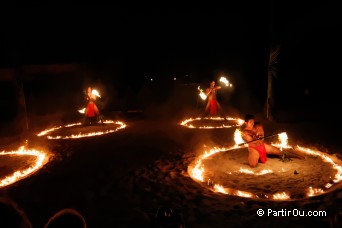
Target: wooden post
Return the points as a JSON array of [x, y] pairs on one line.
[[22, 110]]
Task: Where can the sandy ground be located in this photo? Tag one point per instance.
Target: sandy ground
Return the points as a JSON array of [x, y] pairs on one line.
[[122, 178]]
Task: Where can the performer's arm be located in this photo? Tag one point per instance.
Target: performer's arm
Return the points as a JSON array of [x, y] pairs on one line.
[[247, 135], [208, 91]]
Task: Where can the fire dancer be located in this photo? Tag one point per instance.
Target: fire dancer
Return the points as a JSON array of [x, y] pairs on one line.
[[92, 114], [89, 95], [213, 106], [253, 132]]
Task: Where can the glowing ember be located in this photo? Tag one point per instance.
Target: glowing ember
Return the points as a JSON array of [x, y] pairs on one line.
[[81, 135], [198, 170], [42, 158], [237, 121]]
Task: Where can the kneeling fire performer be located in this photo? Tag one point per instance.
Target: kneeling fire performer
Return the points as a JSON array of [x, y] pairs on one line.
[[253, 134]]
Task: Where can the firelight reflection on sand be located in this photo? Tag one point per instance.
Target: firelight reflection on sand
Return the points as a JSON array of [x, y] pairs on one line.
[[120, 124], [187, 122], [196, 171], [42, 158]]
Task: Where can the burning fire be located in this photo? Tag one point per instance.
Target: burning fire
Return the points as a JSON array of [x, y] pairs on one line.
[[202, 94], [198, 170], [82, 110], [225, 81], [237, 137], [95, 93], [187, 122], [81, 135], [41, 156]]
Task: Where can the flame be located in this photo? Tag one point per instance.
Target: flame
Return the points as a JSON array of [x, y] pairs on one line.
[[248, 171], [202, 94], [219, 188], [243, 194], [281, 196], [283, 140], [224, 81], [82, 110], [94, 92], [42, 158], [81, 135], [187, 121], [314, 191], [328, 159], [237, 137]]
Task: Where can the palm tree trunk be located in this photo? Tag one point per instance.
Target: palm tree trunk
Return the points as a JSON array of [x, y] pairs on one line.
[[269, 101], [22, 110]]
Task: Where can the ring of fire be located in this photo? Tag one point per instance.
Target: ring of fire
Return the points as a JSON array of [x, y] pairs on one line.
[[41, 159], [93, 132], [197, 172], [235, 121]]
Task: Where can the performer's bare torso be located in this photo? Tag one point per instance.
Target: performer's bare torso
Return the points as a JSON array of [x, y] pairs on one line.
[[211, 91], [253, 134]]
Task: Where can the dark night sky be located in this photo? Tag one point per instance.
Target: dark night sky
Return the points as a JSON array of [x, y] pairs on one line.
[[201, 41]]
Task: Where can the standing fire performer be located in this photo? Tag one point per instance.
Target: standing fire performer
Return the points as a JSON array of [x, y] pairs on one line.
[[253, 133], [89, 95], [91, 114], [213, 106]]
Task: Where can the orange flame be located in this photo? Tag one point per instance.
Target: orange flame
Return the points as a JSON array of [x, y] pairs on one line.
[[202, 94], [237, 137], [81, 135], [281, 196], [224, 81], [42, 158], [186, 122]]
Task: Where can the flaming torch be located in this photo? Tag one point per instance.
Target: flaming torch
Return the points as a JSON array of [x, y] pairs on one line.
[[82, 110], [95, 93], [225, 81], [202, 94], [239, 140]]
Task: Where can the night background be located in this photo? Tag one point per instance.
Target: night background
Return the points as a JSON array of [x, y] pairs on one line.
[[150, 60], [122, 49]]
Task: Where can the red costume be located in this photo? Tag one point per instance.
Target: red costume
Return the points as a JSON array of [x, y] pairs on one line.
[[213, 107], [261, 150], [91, 109]]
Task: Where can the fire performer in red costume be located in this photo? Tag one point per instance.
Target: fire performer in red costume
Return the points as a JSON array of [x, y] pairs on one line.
[[213, 106], [92, 113], [253, 133]]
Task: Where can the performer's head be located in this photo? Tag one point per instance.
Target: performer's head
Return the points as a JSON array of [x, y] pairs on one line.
[[249, 120], [212, 83]]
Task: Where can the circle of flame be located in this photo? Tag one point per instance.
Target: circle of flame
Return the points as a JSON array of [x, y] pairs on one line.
[[187, 122], [196, 172], [42, 158], [81, 135]]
